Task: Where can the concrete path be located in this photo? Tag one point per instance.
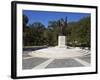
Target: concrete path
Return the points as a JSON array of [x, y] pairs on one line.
[[82, 62], [44, 64], [31, 62]]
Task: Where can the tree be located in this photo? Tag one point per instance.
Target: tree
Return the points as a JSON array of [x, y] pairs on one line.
[[79, 32], [38, 33], [25, 21]]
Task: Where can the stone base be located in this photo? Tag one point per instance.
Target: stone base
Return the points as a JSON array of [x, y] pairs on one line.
[[61, 47], [62, 42], [56, 53]]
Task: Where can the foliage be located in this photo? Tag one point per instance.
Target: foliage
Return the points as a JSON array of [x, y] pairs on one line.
[[77, 33]]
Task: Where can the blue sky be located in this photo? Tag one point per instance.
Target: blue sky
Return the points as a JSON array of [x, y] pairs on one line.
[[45, 16]]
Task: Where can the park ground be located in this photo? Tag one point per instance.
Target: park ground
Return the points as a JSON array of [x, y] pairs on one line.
[[30, 62]]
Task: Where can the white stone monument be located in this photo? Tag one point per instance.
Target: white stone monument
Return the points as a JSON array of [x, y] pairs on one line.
[[62, 41]]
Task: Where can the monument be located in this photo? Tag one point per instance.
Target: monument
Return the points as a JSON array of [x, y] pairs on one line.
[[62, 42], [62, 37], [60, 51]]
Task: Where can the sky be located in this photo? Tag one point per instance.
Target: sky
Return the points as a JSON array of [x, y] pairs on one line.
[[45, 16]]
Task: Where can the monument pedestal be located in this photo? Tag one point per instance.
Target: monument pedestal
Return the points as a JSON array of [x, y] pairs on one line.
[[62, 41]]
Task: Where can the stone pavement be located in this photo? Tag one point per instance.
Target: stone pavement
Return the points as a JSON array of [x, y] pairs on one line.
[[30, 62]]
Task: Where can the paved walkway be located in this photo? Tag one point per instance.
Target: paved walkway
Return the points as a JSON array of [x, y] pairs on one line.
[[30, 62]]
